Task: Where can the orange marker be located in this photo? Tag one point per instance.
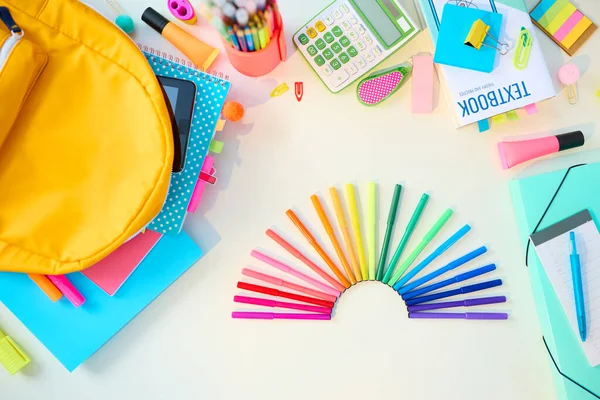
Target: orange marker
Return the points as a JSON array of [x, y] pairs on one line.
[[339, 212], [47, 287], [293, 251], [336, 244], [313, 242]]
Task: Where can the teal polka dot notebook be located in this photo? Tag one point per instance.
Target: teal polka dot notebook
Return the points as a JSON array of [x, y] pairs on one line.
[[211, 92]]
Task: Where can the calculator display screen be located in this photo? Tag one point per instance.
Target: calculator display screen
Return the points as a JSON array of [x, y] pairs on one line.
[[379, 20]]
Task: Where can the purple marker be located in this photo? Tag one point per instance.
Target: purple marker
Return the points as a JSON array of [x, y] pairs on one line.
[[268, 315], [469, 315], [460, 303]]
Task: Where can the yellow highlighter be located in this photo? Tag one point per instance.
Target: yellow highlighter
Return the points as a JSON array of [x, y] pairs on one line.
[[354, 217], [339, 213], [11, 355]]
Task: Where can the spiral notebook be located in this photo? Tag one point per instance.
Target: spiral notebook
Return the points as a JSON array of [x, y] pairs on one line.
[[211, 92]]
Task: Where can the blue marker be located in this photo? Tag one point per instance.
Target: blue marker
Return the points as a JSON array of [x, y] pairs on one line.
[[578, 288], [436, 253], [448, 267], [463, 290], [458, 278], [249, 40], [233, 39]]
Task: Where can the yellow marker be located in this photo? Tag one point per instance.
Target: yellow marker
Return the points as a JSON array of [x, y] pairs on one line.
[[354, 217], [339, 212], [372, 229]]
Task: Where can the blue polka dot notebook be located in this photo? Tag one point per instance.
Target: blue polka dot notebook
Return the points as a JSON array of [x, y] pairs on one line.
[[211, 92]]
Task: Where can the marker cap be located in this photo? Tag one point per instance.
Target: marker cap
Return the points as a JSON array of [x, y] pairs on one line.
[[154, 19], [570, 140]]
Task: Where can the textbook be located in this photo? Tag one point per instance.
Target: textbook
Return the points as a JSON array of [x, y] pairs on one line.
[[474, 95]]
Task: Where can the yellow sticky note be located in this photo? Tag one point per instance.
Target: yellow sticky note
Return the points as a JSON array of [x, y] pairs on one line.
[[220, 125], [499, 119], [576, 32], [512, 115], [561, 18]]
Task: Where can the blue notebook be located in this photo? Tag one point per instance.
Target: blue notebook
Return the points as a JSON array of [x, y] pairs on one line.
[[74, 334], [574, 377], [211, 92]]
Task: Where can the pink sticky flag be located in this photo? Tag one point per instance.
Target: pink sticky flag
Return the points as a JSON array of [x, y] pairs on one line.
[[110, 273], [207, 168], [531, 109], [422, 85]]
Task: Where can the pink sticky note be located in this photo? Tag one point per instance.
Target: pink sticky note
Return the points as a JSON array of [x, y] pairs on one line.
[[422, 84], [207, 167], [110, 273], [531, 109]]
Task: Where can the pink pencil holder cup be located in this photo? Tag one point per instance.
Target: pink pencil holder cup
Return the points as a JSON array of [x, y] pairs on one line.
[[259, 63]]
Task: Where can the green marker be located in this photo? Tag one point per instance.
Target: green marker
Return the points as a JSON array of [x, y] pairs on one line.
[[428, 238], [388, 231], [407, 233]]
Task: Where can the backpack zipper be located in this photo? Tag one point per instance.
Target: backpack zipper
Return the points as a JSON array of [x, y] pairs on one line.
[[11, 42]]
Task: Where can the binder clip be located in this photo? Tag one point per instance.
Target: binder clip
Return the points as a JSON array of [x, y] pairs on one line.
[[523, 49], [479, 31]]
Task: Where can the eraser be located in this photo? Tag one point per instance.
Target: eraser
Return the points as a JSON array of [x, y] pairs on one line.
[[422, 85]]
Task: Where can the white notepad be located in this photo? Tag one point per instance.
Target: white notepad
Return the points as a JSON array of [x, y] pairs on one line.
[[553, 248]]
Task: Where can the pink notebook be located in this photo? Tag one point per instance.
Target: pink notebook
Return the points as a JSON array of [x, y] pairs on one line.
[[110, 273]]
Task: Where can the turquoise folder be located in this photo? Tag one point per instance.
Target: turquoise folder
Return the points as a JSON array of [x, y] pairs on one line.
[[574, 378]]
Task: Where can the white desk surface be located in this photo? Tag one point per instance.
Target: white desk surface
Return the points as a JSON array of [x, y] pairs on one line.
[[186, 346]]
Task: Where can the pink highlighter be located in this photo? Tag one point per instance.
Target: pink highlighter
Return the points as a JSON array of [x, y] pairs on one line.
[[66, 287], [514, 153]]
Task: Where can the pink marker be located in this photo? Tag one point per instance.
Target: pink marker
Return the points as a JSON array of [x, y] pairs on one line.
[[513, 153], [266, 315], [289, 270], [280, 282], [281, 304], [207, 167], [569, 75], [66, 287]]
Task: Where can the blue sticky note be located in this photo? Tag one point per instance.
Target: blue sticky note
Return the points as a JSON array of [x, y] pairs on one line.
[[484, 125], [74, 334], [454, 28]]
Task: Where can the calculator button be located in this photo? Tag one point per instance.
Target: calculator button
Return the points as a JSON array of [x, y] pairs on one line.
[[351, 69], [339, 78], [353, 35], [360, 45], [311, 32], [328, 37], [368, 39], [375, 51], [320, 26], [336, 47], [346, 25], [352, 51], [337, 14], [345, 8], [335, 64], [360, 62], [368, 56], [312, 50], [353, 20], [320, 44], [328, 54], [361, 29], [319, 60], [327, 70], [328, 20], [344, 58], [344, 41], [303, 39], [337, 31]]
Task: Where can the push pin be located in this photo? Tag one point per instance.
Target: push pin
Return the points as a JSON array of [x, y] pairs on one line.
[[479, 31], [569, 75]]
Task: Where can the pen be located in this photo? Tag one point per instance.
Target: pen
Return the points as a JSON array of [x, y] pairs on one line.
[[463, 290], [280, 282], [267, 315], [341, 218], [287, 295], [459, 303], [467, 315], [280, 304], [578, 288], [355, 219], [388, 232]]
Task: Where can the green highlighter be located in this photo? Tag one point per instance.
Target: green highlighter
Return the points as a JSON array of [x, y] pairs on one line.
[[388, 232], [11, 355]]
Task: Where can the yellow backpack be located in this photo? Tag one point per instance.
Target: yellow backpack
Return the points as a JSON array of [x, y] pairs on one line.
[[86, 144]]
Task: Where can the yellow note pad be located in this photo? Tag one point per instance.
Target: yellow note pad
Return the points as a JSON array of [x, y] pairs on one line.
[[561, 18], [576, 32]]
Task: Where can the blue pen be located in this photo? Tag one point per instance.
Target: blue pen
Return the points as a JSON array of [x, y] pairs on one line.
[[578, 288], [436, 253], [458, 278], [448, 267], [249, 41], [234, 40], [465, 289]]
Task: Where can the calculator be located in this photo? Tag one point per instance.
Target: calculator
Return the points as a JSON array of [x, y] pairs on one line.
[[350, 37]]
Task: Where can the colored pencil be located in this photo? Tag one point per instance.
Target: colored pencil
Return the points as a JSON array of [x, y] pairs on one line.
[[389, 229], [280, 304], [255, 38], [296, 253], [459, 303], [281, 293], [449, 293], [264, 315], [412, 223], [313, 242], [372, 228], [355, 219], [341, 218], [294, 272], [421, 246], [280, 282], [332, 237], [468, 315]]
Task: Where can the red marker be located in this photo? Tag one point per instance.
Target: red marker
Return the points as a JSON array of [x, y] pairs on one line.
[[208, 178], [299, 90], [287, 295]]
